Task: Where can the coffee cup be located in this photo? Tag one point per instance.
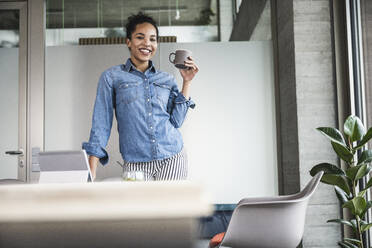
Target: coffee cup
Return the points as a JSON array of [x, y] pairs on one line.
[[180, 56]]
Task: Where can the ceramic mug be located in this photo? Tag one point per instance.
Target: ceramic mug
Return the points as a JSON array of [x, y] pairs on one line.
[[180, 56]]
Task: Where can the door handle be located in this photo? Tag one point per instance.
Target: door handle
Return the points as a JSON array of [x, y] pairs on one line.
[[20, 152]]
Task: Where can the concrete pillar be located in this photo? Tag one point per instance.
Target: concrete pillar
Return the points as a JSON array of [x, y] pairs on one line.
[[307, 100], [316, 106]]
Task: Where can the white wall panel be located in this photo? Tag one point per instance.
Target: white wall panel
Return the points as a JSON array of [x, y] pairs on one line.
[[230, 136]]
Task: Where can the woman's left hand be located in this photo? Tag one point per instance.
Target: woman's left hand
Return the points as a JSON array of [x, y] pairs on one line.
[[189, 74]]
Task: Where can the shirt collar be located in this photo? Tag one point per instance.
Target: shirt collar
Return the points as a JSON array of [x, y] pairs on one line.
[[129, 66]]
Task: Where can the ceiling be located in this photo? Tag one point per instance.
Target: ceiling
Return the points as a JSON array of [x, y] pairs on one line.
[[113, 13]]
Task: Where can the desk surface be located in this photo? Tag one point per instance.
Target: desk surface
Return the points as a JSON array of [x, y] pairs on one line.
[[112, 214], [102, 201]]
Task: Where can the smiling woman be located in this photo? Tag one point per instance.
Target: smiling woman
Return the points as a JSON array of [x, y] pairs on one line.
[[148, 127]]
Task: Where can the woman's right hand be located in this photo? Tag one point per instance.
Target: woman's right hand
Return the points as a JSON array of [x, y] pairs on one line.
[[93, 162]]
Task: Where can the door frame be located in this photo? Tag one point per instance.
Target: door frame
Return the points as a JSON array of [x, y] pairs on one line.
[[22, 81], [36, 79], [32, 56]]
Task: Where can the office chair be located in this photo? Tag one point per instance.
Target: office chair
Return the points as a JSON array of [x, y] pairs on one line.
[[265, 222]]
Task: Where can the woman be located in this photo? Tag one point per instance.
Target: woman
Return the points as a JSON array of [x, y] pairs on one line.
[[148, 107]]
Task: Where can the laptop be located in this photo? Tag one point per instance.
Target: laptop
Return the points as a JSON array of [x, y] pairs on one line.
[[64, 167]]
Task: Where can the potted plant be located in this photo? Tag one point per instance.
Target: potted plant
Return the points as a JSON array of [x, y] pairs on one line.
[[346, 180]]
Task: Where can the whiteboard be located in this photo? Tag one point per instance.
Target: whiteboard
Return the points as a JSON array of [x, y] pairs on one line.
[[230, 136]]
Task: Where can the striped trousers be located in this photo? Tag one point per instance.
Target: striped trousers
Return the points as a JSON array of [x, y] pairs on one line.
[[173, 168]]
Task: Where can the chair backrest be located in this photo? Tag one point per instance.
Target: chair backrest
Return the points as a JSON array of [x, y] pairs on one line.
[[311, 186], [270, 222]]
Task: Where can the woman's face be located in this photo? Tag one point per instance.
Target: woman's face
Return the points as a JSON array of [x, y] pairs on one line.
[[143, 43]]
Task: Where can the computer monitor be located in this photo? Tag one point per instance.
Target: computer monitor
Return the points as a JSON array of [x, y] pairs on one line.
[[64, 167]]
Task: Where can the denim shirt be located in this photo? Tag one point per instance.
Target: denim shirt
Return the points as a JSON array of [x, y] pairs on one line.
[[149, 109]]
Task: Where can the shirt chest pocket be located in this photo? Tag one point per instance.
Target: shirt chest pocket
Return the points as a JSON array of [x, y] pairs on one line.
[[127, 92], [162, 92]]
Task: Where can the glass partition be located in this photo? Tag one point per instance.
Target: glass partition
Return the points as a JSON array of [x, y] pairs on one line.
[[9, 28], [68, 21], [231, 134], [9, 91]]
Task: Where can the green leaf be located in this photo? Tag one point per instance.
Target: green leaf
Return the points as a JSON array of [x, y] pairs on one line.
[[361, 193], [354, 223], [364, 170], [365, 157], [360, 205], [353, 240], [349, 205], [369, 205], [352, 172], [341, 195], [346, 244], [365, 139], [333, 134], [364, 228], [351, 244], [343, 152], [341, 221], [369, 184], [354, 128], [357, 172], [336, 180], [332, 175], [327, 168], [356, 205], [362, 222]]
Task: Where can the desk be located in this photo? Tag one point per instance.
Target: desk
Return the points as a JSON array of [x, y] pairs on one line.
[[112, 214]]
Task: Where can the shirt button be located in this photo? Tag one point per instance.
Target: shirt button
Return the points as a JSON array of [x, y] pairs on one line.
[[150, 127], [153, 141], [150, 113], [148, 99]]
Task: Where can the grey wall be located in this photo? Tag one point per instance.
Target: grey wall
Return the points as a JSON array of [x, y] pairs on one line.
[[307, 100], [316, 106]]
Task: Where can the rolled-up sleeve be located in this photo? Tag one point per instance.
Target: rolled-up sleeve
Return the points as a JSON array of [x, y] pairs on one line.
[[178, 106], [101, 121]]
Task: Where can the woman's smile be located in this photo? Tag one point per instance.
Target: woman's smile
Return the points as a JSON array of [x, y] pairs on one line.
[[142, 44], [145, 51]]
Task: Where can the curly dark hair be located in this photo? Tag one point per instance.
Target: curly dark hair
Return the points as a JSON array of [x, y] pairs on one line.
[[139, 18]]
